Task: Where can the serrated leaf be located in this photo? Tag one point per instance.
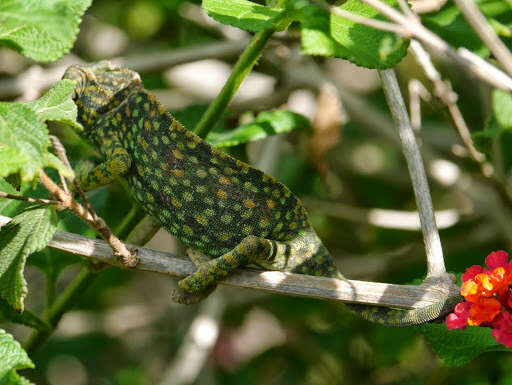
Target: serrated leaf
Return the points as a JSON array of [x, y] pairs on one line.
[[26, 233], [24, 143], [458, 347], [326, 34], [26, 318], [12, 358], [43, 30], [267, 123], [8, 206], [502, 108], [57, 104], [243, 14]]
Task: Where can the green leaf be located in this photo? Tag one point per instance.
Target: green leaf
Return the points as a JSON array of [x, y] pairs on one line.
[[26, 318], [502, 108], [452, 26], [43, 30], [12, 358], [458, 347], [484, 139], [24, 143], [8, 206], [328, 35], [243, 14], [266, 124], [57, 104], [28, 232]]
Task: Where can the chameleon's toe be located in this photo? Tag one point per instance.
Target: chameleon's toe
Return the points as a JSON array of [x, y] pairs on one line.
[[180, 296]]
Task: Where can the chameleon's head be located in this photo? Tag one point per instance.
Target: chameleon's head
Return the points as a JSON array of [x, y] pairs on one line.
[[100, 87]]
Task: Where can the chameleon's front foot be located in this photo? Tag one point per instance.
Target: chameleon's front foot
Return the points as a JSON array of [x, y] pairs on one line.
[[183, 297]]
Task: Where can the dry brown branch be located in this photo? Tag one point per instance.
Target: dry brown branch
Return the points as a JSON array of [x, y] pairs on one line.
[[372, 293]]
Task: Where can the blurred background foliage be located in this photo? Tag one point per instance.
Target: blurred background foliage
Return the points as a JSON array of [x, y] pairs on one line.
[[126, 331]]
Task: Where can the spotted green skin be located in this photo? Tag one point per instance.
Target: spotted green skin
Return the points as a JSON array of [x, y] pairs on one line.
[[213, 203]]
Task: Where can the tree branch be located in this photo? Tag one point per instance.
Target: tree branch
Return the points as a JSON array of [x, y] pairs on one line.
[[480, 25], [371, 293], [434, 251]]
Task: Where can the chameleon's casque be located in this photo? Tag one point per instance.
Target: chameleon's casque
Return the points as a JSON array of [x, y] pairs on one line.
[[212, 202]]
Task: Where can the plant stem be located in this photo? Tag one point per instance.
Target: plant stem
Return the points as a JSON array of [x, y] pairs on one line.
[[434, 251], [242, 67], [65, 301]]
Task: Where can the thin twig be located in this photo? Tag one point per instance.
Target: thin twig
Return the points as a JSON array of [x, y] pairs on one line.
[[412, 27], [61, 154], [120, 250], [486, 33], [417, 91], [389, 219], [372, 293], [31, 200], [466, 58], [425, 6], [434, 251], [445, 93]]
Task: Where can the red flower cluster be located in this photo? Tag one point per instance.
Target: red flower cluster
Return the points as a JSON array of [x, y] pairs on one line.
[[488, 298]]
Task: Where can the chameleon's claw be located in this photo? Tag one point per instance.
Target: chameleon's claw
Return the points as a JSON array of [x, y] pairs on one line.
[[180, 296]]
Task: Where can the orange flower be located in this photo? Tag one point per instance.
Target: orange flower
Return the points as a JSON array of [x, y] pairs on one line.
[[483, 311]]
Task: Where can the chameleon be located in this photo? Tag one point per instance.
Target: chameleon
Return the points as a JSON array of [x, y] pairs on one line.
[[230, 213]]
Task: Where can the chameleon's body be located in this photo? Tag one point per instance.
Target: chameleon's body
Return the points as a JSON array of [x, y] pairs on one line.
[[213, 203]]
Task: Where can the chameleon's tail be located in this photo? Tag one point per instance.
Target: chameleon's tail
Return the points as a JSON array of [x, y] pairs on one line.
[[403, 318]]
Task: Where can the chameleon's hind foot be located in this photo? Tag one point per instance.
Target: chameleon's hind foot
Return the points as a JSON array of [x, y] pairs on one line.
[[180, 296]]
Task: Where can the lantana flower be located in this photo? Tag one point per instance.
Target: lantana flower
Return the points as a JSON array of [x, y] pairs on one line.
[[488, 299]]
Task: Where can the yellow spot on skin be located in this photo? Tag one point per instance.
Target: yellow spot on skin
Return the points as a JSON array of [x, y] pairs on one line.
[[201, 219], [221, 194], [249, 204], [180, 145], [175, 202], [226, 218], [224, 180], [187, 230], [201, 173], [201, 189], [224, 237], [188, 196], [228, 170], [118, 117], [191, 144], [213, 171], [264, 222], [128, 112], [271, 204], [147, 125], [178, 173], [177, 154], [293, 225], [246, 229]]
